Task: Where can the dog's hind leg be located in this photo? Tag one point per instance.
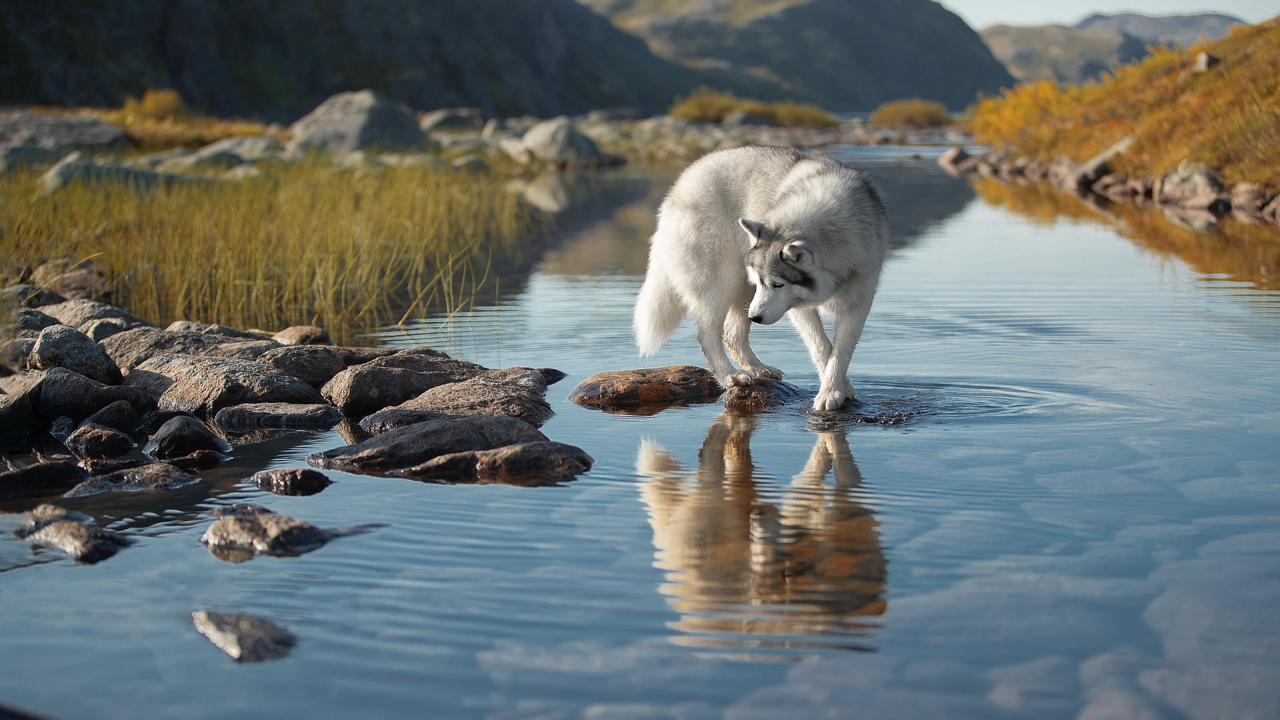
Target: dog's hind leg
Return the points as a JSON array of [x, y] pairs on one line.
[[711, 338], [737, 327]]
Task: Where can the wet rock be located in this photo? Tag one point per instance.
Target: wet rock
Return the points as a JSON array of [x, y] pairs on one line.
[[32, 296], [133, 347], [60, 131], [394, 379], [153, 421], [41, 480], [119, 415], [245, 638], [144, 478], [80, 313], [98, 442], [191, 326], [303, 335], [70, 532], [73, 280], [198, 461], [253, 416], [478, 396], [1191, 186], [204, 385], [648, 391], [761, 395], [182, 436], [361, 355], [291, 481], [244, 531], [415, 444], [532, 463], [1083, 176], [61, 346], [357, 121], [313, 364], [59, 392]]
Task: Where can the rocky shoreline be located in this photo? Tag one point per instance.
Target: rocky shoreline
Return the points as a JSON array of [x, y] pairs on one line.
[[1192, 196]]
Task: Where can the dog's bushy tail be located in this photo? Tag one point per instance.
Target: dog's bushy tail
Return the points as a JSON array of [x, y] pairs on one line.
[[658, 313]]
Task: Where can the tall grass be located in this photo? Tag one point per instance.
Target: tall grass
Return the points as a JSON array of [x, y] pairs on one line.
[[1227, 117], [307, 245], [705, 105]]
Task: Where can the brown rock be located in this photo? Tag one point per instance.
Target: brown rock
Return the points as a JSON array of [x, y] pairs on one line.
[[761, 395], [244, 531], [313, 364], [394, 379], [360, 355], [531, 463], [80, 313], [291, 481], [245, 638], [72, 280], [98, 442], [477, 396], [61, 346], [137, 345], [211, 329], [119, 415], [255, 416], [71, 532], [415, 444], [645, 392], [181, 436], [1248, 198], [303, 335], [41, 480], [204, 385], [58, 392], [144, 478]]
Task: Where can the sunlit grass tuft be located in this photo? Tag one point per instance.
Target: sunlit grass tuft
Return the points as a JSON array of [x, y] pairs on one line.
[[705, 105], [309, 245], [911, 115]]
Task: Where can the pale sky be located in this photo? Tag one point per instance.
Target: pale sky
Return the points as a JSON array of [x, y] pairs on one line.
[[982, 13]]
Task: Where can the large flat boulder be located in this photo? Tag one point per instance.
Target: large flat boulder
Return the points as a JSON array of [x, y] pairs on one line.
[[647, 391], [204, 385], [359, 120], [477, 396], [313, 364], [415, 444], [394, 379], [532, 463], [284, 416], [132, 347]]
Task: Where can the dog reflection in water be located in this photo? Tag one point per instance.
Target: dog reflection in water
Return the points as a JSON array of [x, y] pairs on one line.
[[780, 564]]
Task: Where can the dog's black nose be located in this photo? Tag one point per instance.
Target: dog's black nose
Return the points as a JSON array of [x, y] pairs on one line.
[[757, 318]]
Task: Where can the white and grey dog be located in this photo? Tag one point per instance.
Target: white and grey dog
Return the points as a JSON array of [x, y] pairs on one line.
[[752, 233]]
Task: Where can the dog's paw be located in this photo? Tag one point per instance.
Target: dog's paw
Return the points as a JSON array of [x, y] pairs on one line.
[[737, 378], [764, 371], [830, 400]]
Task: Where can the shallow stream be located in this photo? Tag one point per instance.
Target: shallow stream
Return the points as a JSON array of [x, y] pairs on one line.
[[1059, 495]]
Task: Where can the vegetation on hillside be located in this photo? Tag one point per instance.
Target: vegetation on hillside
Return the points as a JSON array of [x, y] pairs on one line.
[[309, 244], [1227, 117], [705, 105], [911, 115]]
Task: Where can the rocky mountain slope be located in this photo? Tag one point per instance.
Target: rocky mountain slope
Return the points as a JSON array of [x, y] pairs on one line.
[[277, 60], [841, 54], [1096, 44]]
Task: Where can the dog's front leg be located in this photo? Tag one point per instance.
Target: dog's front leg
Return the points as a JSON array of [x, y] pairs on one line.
[[835, 389], [808, 325]]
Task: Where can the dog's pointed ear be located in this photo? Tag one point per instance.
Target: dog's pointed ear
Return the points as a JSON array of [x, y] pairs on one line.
[[796, 253], [753, 228]]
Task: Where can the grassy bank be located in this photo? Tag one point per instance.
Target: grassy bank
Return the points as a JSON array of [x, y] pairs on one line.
[[308, 244], [1227, 117]]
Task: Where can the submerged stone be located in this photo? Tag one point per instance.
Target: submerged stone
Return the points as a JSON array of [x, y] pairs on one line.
[[478, 396], [41, 480], [415, 444], [244, 531], [246, 638], [532, 463], [144, 478], [254, 416], [70, 532], [291, 481], [647, 391]]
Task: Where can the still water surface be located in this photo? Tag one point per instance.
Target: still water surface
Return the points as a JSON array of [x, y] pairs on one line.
[[1059, 495]]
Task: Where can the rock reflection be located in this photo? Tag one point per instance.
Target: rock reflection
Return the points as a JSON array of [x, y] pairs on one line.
[[754, 566]]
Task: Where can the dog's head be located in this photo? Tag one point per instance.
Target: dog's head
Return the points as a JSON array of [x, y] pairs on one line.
[[781, 269]]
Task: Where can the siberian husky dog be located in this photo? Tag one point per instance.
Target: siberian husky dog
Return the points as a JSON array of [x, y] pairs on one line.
[[751, 234]]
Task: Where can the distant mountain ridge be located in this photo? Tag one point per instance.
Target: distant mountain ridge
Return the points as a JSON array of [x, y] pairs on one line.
[[841, 54], [1096, 44]]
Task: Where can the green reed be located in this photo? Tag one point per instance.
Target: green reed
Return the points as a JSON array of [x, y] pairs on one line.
[[306, 244]]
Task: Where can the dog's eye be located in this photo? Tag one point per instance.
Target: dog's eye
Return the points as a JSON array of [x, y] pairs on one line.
[[778, 285]]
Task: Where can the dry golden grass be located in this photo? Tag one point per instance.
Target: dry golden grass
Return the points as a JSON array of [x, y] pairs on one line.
[[1227, 118], [708, 106], [911, 115], [309, 245], [1239, 250]]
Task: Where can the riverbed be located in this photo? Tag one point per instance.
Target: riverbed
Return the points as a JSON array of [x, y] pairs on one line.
[[1058, 495]]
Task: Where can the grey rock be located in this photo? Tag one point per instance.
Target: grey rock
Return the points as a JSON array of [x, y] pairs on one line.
[[415, 444], [191, 326], [61, 346], [303, 335], [204, 159], [254, 416], [361, 355], [357, 121], [92, 441], [647, 391], [204, 385], [59, 392], [70, 532], [1248, 198], [20, 157], [248, 147], [99, 330], [14, 353], [119, 415], [531, 463], [558, 142], [456, 118], [27, 320], [80, 313], [1192, 186], [144, 478], [244, 531], [393, 379], [291, 481], [245, 638], [1084, 175], [182, 436], [41, 480], [313, 364], [33, 296], [135, 346], [73, 170], [60, 131], [477, 396], [17, 419]]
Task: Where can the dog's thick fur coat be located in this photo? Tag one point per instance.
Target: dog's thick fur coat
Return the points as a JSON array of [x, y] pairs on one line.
[[752, 233]]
